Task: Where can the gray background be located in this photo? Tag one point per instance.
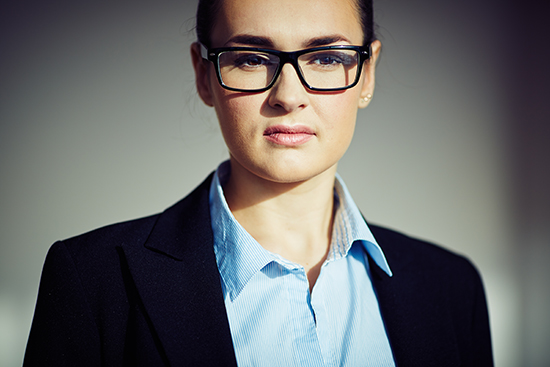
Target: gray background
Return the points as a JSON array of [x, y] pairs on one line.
[[100, 123]]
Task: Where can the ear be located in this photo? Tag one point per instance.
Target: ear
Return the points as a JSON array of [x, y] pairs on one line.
[[202, 79], [367, 89]]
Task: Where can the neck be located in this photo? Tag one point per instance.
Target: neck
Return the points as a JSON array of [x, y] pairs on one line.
[[293, 220]]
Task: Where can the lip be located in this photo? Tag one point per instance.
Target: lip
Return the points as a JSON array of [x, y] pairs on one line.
[[289, 135]]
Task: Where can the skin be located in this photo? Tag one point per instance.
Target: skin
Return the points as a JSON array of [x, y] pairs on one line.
[[283, 195]]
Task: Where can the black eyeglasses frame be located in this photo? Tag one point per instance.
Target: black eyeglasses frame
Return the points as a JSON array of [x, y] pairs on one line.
[[365, 52]]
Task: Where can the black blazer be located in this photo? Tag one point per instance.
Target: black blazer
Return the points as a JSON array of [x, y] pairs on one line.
[[147, 293]]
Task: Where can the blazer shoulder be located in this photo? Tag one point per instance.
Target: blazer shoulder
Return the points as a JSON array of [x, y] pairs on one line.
[[131, 232], [95, 246], [410, 252]]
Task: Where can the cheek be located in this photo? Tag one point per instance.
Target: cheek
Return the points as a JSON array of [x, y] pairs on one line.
[[339, 114], [238, 119]]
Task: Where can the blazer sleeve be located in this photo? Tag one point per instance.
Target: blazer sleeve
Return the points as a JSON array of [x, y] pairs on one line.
[[63, 331], [482, 354]]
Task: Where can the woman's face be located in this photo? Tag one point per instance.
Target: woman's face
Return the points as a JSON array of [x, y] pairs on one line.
[[287, 133]]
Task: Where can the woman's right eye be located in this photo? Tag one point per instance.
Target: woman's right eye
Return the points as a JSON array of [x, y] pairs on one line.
[[251, 60]]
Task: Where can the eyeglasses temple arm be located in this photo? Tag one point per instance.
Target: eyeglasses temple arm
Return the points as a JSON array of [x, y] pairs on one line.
[[204, 51]]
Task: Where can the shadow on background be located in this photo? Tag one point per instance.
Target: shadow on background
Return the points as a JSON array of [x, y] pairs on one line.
[[528, 89]]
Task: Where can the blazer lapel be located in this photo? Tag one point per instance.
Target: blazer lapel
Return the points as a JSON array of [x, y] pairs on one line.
[[417, 322], [177, 279]]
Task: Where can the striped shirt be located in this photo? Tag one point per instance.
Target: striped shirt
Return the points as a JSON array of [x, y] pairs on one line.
[[274, 319]]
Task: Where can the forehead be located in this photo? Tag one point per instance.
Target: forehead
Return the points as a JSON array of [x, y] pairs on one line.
[[287, 23]]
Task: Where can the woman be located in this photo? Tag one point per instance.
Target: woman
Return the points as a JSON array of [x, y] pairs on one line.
[[268, 261]]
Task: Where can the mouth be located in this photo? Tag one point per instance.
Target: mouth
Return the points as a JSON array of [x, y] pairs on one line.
[[289, 135]]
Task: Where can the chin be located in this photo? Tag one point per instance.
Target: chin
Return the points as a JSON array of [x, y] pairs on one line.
[[295, 173]]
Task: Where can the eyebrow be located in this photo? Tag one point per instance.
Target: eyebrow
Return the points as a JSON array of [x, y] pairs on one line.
[[325, 40], [250, 40], [260, 41]]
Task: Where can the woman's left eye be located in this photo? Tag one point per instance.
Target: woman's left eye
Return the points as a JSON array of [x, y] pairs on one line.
[[327, 60], [332, 59]]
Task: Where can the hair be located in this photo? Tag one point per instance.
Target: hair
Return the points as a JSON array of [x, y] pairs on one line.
[[207, 11]]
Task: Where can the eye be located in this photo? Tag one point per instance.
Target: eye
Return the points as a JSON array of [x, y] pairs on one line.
[[330, 59], [251, 60], [326, 60]]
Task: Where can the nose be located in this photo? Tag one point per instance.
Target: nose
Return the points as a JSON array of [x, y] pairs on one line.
[[288, 92]]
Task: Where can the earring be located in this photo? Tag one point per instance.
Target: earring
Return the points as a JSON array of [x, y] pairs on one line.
[[367, 98]]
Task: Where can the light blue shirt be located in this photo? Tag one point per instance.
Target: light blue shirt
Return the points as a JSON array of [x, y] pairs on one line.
[[273, 317]]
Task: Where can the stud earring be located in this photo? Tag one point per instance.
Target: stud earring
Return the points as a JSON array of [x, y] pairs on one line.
[[367, 98]]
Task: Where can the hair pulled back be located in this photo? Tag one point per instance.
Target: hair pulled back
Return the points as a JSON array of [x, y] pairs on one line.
[[207, 11]]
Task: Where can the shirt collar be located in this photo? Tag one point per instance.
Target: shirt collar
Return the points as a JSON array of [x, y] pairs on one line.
[[239, 256], [350, 226]]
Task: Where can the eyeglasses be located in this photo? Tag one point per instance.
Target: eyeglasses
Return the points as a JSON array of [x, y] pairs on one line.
[[249, 69]]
